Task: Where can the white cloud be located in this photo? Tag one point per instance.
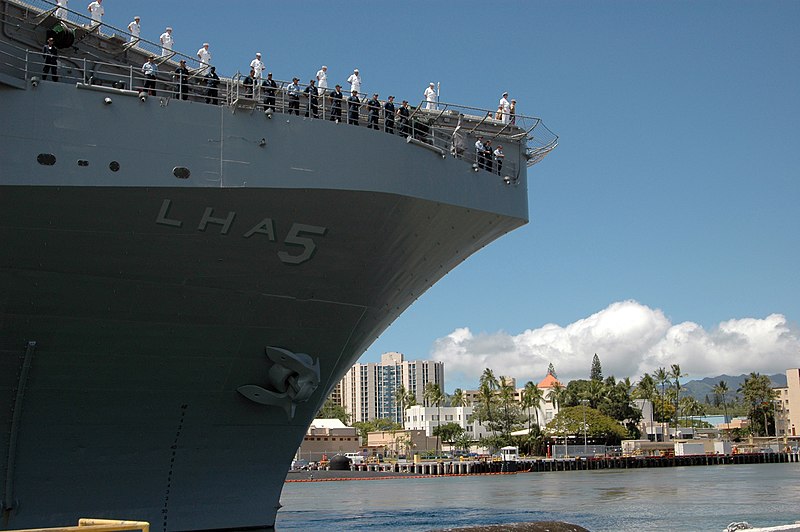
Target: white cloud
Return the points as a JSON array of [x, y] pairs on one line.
[[630, 339]]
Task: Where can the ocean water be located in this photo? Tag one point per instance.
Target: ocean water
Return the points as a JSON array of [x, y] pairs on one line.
[[695, 498]]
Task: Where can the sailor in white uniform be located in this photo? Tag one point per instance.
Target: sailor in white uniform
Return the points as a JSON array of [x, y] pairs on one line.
[[430, 96], [258, 66], [322, 80], [355, 81], [61, 11], [505, 108], [205, 59], [97, 11], [134, 28], [167, 41]]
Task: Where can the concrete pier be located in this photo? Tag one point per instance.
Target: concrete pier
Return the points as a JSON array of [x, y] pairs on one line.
[[575, 464]]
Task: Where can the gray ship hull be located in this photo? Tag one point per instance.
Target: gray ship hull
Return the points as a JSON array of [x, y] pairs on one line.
[[134, 304]]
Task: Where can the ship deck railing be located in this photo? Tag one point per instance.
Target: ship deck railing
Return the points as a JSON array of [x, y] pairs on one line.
[[444, 128]]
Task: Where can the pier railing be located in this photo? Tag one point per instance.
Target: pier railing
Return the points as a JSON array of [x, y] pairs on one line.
[[444, 128]]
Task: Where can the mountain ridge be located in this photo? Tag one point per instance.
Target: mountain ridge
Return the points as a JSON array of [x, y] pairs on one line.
[[702, 388]]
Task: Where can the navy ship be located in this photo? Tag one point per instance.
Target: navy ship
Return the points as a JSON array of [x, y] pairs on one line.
[[183, 281]]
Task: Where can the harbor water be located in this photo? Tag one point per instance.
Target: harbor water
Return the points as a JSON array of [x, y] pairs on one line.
[[663, 499]]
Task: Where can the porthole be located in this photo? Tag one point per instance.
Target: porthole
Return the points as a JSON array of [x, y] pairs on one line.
[[46, 159], [113, 166], [181, 172]]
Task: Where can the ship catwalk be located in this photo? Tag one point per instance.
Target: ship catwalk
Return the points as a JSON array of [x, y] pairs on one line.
[[173, 312]]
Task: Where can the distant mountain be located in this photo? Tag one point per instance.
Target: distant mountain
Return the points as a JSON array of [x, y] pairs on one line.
[[699, 389]]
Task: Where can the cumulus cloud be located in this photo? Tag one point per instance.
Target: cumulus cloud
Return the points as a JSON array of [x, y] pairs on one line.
[[630, 338]]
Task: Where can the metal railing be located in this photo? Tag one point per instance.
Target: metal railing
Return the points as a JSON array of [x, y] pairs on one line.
[[446, 129]]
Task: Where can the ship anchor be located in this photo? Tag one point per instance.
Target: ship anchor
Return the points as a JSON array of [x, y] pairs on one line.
[[293, 378]]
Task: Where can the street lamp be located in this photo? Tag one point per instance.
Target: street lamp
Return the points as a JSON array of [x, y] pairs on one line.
[[583, 402]]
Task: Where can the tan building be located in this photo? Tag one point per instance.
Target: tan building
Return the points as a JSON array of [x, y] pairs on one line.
[[368, 390], [781, 402], [400, 442], [789, 408], [326, 438]]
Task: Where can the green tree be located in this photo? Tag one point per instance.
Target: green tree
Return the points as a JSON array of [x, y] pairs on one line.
[[448, 432], [576, 390], [569, 422], [618, 404], [551, 370], [332, 410], [463, 441], [533, 443], [758, 395], [596, 374], [375, 425], [435, 397]]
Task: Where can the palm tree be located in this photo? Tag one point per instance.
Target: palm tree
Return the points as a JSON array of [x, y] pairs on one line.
[[675, 373], [400, 398], [532, 397], [506, 398], [488, 378], [558, 396], [719, 392], [486, 393], [458, 398], [646, 389], [411, 399], [435, 396], [595, 393], [662, 378], [691, 407]]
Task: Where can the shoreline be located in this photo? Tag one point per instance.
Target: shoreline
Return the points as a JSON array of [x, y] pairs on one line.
[[475, 468]]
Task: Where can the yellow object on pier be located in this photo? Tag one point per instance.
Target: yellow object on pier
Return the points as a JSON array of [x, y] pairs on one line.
[[96, 525]]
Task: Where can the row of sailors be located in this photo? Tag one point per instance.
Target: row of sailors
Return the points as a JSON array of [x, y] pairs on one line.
[[506, 110], [486, 158], [270, 88]]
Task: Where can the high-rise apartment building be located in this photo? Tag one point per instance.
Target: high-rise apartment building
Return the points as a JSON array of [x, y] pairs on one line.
[[368, 391]]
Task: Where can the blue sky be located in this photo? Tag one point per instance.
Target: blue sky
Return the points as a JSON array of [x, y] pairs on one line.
[[664, 227]]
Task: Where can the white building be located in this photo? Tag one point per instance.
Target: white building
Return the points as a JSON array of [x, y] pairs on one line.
[[368, 391], [428, 418]]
